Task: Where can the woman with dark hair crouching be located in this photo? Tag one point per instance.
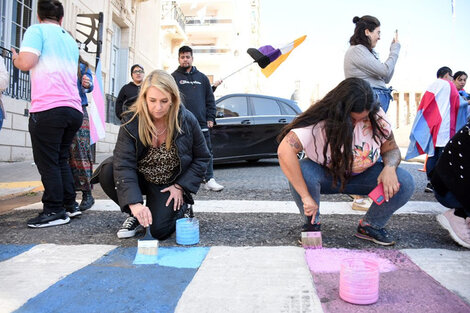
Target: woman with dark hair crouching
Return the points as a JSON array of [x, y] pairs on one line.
[[343, 136], [160, 152]]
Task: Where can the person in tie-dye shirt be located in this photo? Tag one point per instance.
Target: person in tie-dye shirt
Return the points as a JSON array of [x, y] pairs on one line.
[[51, 56]]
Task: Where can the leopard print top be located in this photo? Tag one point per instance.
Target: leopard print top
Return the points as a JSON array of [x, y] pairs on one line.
[[159, 164]]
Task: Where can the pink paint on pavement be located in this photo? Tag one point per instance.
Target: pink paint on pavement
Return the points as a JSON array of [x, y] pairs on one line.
[[329, 260], [403, 286]]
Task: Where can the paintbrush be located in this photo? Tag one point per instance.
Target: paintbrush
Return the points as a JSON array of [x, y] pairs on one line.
[[311, 235], [147, 249]]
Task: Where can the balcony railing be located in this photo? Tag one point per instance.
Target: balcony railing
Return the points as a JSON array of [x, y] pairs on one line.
[[211, 50], [171, 11], [206, 20], [20, 84]]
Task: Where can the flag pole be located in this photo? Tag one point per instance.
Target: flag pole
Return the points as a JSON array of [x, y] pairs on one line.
[[238, 70]]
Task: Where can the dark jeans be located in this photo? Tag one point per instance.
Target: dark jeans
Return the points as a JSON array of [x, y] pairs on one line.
[[431, 162], [210, 168], [450, 201], [319, 182], [51, 134], [163, 217]]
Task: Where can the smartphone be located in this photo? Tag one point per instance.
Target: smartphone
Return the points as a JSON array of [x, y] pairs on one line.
[[377, 194]]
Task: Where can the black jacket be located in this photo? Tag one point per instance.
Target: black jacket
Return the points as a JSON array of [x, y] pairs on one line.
[[196, 93], [452, 170], [192, 151], [127, 96]]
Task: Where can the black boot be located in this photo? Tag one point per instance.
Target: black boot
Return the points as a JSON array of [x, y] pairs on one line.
[[87, 201]]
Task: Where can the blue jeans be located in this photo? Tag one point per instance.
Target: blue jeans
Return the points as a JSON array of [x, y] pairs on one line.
[[384, 95], [320, 182]]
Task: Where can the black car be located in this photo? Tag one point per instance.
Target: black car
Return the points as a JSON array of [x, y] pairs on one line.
[[247, 125]]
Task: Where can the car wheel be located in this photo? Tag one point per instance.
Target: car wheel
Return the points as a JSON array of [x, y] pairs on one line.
[[252, 160], [301, 155]]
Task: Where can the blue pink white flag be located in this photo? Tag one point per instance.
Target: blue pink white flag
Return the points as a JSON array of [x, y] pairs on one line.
[[96, 108]]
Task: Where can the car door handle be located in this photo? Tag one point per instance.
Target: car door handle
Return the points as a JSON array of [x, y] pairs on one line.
[[282, 120], [246, 122]]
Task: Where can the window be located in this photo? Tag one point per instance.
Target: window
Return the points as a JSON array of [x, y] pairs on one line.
[[264, 106], [15, 17], [232, 107], [288, 109]]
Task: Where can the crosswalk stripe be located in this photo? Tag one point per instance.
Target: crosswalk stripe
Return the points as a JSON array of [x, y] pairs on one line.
[[27, 274], [450, 268], [251, 279], [230, 279], [247, 206]]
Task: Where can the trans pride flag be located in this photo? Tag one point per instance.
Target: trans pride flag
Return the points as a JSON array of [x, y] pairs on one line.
[[270, 58], [436, 120], [96, 110]]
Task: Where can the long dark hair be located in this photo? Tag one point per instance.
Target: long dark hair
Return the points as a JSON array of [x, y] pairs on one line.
[[351, 95], [359, 37], [79, 72]]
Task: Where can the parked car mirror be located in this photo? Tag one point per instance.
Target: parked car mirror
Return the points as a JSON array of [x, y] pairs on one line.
[[219, 114]]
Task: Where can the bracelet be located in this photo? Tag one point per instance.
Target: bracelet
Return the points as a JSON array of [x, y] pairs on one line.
[[177, 187]]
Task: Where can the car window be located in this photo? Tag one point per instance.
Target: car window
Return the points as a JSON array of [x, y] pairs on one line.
[[232, 107], [288, 109], [265, 106]]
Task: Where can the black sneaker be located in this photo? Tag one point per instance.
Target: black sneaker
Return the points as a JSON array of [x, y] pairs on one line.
[[129, 228], [429, 188], [87, 201], [48, 220], [379, 236], [73, 210]]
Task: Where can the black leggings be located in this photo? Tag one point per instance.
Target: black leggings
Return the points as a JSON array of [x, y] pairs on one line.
[[163, 217]]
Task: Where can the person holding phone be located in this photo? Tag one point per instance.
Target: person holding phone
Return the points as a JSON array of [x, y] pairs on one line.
[[363, 62], [343, 136]]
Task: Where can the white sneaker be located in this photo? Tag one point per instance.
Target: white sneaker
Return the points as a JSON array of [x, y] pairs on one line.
[[213, 185], [361, 203]]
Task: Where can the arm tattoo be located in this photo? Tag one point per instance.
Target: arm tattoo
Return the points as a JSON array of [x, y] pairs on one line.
[[393, 156], [293, 141]]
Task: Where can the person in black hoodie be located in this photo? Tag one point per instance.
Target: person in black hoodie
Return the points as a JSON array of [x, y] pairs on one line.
[[129, 92], [198, 98], [160, 152]]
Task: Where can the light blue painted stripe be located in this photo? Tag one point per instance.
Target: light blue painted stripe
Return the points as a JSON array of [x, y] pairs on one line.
[[10, 251], [181, 257], [114, 284]]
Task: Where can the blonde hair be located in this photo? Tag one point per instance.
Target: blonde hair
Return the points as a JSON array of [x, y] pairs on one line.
[[147, 130]]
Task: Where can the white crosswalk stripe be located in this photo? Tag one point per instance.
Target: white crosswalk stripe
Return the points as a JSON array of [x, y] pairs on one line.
[[248, 206]]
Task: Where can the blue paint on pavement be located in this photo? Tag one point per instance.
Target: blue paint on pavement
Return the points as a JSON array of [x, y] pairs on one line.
[[145, 259], [10, 251], [114, 284], [180, 257]]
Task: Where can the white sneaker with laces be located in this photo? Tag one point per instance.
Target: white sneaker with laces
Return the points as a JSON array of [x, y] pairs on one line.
[[213, 185]]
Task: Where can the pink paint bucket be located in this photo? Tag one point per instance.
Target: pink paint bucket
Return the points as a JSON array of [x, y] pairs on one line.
[[359, 281]]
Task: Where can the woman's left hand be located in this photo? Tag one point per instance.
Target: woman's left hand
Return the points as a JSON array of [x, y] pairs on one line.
[[388, 177], [176, 194]]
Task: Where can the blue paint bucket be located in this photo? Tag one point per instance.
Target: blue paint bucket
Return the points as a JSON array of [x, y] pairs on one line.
[[187, 231]]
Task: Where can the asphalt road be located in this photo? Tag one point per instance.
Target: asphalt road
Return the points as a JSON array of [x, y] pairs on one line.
[[243, 181]]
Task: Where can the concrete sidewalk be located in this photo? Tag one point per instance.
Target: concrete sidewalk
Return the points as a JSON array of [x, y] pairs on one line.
[[21, 178]]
